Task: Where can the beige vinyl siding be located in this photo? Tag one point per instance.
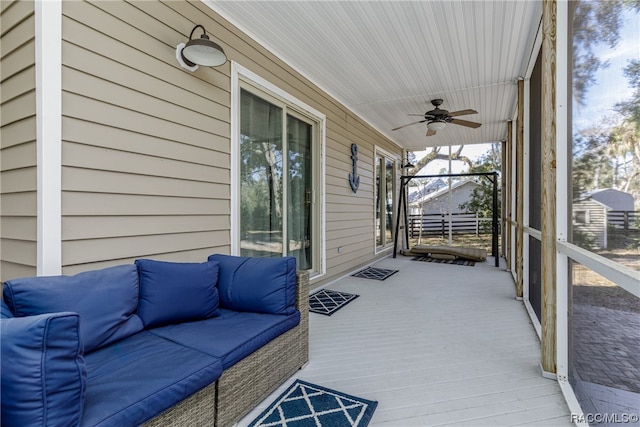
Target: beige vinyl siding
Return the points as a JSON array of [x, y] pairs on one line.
[[146, 144], [344, 209], [18, 158]]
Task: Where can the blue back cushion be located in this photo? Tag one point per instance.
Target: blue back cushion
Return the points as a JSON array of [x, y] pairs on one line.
[[174, 292], [5, 313], [106, 301], [260, 285], [43, 370]]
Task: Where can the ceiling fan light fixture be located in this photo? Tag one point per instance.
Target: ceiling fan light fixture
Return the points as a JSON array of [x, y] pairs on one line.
[[436, 125]]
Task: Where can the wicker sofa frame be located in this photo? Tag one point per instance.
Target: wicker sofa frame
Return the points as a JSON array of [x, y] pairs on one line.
[[244, 385]]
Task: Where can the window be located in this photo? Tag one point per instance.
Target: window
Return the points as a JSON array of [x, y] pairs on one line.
[[278, 176], [385, 169], [581, 217]]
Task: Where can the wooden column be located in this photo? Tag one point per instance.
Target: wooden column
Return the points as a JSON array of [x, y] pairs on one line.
[[508, 192], [503, 201], [548, 321], [519, 195]]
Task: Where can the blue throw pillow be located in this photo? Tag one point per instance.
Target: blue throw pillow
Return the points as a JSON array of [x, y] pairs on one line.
[[106, 301], [43, 370], [259, 285], [174, 292]]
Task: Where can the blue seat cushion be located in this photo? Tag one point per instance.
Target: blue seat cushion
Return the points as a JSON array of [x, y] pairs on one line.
[[260, 285], [232, 336], [43, 370], [173, 292], [106, 301], [133, 380]]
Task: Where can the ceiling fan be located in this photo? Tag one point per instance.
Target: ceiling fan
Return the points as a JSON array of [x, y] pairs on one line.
[[438, 118]]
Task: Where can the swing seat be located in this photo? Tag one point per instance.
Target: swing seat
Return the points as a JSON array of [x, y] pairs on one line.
[[447, 252]]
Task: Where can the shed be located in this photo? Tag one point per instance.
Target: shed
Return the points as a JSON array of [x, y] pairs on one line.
[[591, 210], [437, 202]]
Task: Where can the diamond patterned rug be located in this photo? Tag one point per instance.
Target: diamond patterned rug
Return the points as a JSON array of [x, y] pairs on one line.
[[444, 261], [305, 404], [374, 273], [328, 302]]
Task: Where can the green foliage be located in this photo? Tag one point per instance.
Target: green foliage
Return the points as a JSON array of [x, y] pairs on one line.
[[585, 240], [481, 201], [631, 107], [594, 22]]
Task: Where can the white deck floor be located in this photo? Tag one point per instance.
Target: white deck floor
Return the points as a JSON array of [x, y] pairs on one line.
[[435, 345]]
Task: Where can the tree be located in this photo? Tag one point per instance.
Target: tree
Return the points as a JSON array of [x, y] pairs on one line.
[[631, 107], [481, 201], [594, 22], [435, 154]]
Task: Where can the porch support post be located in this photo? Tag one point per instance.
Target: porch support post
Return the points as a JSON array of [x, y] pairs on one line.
[[506, 214], [519, 194], [503, 199], [548, 321], [48, 44]]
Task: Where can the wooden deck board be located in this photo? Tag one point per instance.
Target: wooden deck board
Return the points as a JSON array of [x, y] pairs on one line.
[[434, 344]]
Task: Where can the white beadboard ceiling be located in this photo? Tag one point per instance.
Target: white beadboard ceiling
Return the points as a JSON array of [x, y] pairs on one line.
[[385, 60]]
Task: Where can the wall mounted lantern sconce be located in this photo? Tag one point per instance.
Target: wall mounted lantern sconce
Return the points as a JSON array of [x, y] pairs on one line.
[[200, 51]]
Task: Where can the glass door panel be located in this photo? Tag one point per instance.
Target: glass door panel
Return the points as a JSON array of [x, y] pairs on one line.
[[300, 196], [261, 169], [389, 200], [385, 168], [379, 201]]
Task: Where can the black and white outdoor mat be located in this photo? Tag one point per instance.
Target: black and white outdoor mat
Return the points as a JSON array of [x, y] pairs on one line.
[[444, 261], [327, 302], [374, 273], [304, 404]]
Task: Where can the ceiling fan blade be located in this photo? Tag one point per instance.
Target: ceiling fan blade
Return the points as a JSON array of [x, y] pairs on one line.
[[462, 113], [409, 124], [430, 132], [465, 123], [417, 115]]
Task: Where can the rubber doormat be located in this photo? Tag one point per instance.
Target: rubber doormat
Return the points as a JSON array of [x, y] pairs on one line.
[[305, 404], [444, 261], [375, 273], [328, 302]]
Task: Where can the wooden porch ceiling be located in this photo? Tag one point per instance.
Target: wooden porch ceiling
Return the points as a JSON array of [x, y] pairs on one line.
[[387, 59]]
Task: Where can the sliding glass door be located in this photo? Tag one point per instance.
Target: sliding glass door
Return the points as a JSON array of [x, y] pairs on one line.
[[277, 209]]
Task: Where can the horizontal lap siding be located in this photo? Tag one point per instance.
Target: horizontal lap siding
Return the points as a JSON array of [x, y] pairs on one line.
[[344, 209], [145, 144], [18, 158]]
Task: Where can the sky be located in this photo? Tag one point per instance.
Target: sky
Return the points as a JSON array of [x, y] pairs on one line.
[[473, 151], [611, 84]]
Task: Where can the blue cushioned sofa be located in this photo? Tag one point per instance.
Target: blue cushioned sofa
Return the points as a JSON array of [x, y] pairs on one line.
[[154, 343]]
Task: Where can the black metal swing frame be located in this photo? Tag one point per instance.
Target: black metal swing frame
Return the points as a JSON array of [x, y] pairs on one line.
[[402, 208]]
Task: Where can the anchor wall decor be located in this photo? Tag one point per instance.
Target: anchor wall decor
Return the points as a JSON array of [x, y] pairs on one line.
[[354, 179]]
